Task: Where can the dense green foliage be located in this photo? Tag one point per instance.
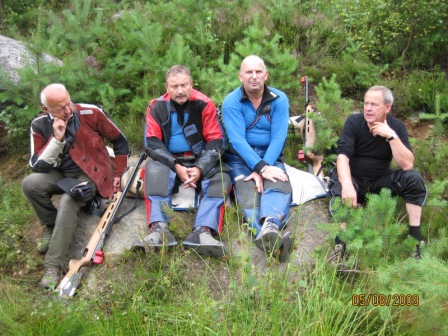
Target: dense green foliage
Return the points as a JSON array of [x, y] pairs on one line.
[[390, 30], [115, 53]]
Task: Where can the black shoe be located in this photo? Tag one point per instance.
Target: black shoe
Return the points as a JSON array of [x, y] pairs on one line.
[[338, 255], [418, 251], [339, 258], [202, 241]]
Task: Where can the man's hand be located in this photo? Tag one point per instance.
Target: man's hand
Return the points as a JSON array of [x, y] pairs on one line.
[[258, 179], [117, 184], [273, 173], [381, 129], [349, 196], [189, 176], [194, 174], [59, 126]]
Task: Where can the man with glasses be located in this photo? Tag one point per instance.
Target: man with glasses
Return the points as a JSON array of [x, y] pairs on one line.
[[68, 146]]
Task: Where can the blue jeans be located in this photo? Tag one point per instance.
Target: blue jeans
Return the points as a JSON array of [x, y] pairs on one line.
[[160, 181], [273, 202]]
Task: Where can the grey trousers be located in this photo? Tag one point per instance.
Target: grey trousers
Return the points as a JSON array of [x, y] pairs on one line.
[[39, 189]]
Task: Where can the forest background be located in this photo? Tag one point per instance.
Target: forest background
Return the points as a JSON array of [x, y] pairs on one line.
[[115, 54]]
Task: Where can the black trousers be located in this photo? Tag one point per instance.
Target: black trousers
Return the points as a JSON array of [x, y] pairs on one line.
[[408, 184]]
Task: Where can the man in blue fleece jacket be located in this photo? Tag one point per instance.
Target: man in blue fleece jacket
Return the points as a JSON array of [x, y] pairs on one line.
[[256, 122]]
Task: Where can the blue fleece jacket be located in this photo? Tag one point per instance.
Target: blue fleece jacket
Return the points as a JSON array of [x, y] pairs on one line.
[[265, 127]]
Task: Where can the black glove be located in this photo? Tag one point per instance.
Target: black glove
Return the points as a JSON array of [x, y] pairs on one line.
[[80, 190]]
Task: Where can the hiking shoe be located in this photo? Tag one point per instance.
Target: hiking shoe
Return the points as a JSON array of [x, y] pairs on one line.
[[418, 252], [338, 256], [202, 241], [268, 240], [51, 278], [43, 242], [159, 236], [287, 245]]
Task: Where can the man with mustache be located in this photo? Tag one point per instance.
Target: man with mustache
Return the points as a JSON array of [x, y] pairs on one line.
[[68, 141], [368, 143], [256, 120], [185, 141]]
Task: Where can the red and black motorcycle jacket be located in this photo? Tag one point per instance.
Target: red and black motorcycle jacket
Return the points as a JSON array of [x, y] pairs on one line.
[[86, 147], [202, 131]]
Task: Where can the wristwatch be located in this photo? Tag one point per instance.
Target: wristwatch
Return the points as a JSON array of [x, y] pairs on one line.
[[394, 136]]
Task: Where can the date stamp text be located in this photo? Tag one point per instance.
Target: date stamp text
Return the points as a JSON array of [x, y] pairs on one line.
[[385, 300]]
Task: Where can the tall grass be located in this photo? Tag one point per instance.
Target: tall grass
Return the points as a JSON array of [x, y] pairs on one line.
[[182, 293]]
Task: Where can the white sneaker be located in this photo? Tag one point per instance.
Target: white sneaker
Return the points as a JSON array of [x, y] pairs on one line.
[[268, 239], [159, 236]]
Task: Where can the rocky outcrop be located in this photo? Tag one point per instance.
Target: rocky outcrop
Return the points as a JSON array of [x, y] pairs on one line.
[[14, 55], [303, 223]]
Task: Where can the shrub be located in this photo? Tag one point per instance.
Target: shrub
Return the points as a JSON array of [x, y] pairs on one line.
[[415, 92], [389, 30], [373, 234]]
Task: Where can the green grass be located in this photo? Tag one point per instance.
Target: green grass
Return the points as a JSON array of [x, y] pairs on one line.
[[181, 293]]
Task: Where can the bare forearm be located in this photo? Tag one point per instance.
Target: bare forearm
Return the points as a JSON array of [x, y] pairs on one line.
[[343, 167], [348, 192], [401, 154]]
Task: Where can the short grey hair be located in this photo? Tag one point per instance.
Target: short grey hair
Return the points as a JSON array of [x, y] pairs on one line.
[[388, 97], [54, 86], [177, 69]]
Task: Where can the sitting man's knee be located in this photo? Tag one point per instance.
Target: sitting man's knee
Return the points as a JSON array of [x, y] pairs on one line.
[[219, 185], [156, 178], [247, 194], [283, 186], [412, 187]]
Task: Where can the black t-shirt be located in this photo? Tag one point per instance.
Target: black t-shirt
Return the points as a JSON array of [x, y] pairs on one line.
[[369, 156]]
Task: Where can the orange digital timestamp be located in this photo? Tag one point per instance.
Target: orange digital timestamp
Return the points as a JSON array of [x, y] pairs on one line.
[[394, 300]]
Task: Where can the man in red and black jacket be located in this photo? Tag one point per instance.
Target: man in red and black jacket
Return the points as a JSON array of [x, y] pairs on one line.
[[68, 144], [185, 140]]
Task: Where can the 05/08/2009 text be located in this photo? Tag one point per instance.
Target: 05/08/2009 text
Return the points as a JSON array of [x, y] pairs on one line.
[[385, 300]]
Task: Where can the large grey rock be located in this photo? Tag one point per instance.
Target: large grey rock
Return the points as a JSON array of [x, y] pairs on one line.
[[14, 55], [302, 223], [131, 228]]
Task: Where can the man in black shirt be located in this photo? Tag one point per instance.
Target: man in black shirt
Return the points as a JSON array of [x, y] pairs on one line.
[[368, 143]]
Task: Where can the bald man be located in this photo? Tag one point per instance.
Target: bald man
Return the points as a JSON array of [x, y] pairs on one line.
[[256, 120], [68, 141]]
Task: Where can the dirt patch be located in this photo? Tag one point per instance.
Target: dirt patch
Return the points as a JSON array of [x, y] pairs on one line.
[[419, 130], [14, 167]]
